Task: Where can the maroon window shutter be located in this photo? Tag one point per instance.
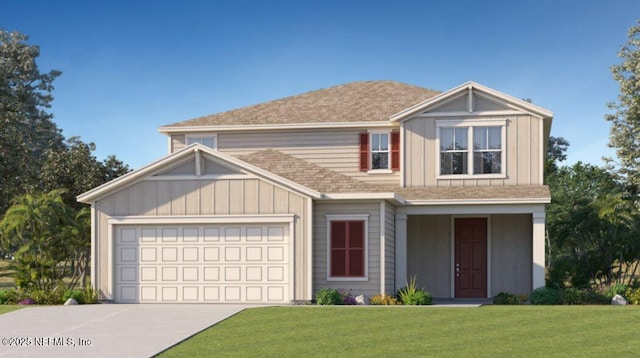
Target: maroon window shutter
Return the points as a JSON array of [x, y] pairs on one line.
[[338, 248], [395, 150], [364, 152]]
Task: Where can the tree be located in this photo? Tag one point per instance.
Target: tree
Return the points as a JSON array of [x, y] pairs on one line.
[[76, 169], [625, 121], [591, 227], [26, 129], [556, 153], [34, 229]]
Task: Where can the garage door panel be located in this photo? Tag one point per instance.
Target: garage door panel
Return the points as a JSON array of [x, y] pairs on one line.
[[202, 264]]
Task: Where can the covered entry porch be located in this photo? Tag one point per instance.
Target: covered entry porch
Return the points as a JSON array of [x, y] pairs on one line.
[[471, 251]]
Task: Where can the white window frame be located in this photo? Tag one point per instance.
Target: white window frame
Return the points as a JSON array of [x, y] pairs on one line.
[[194, 138], [388, 169], [470, 124], [355, 217]]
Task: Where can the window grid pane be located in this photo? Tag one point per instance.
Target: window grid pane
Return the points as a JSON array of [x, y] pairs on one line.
[[454, 150], [380, 151]]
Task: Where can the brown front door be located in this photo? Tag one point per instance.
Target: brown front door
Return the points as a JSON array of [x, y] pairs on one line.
[[471, 257]]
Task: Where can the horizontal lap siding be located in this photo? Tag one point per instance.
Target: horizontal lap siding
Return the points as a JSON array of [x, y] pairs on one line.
[[334, 150], [390, 248], [203, 197], [369, 288]]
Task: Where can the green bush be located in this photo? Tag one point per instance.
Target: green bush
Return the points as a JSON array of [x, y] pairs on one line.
[[385, 300], [615, 289], [506, 298], [546, 296], [573, 296], [76, 294], [329, 296], [411, 295], [89, 295], [10, 297], [633, 296], [46, 297]]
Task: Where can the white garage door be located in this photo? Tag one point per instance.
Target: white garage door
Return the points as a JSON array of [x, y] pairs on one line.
[[202, 263]]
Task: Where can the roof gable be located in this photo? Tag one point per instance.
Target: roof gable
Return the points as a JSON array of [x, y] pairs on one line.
[[350, 102], [471, 98], [179, 164]]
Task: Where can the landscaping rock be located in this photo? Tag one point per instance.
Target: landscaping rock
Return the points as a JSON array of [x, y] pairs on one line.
[[360, 300], [618, 300], [71, 302]]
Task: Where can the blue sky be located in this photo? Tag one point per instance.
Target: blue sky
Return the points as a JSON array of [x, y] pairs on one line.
[[132, 66]]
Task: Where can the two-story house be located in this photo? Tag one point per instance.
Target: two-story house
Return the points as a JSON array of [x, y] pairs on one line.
[[359, 186]]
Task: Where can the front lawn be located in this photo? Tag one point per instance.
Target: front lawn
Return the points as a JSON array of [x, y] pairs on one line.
[[421, 331], [9, 308]]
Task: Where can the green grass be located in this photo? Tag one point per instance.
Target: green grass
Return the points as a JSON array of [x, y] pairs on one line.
[[487, 331], [9, 308]]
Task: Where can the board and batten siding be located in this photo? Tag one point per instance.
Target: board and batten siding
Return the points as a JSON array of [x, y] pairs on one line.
[[523, 151], [429, 253], [511, 254], [337, 150], [369, 288], [204, 197]]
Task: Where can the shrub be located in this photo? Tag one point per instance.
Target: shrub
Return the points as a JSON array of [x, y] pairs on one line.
[[411, 295], [76, 294], [26, 301], [46, 297], [615, 289], [349, 300], [89, 295], [546, 296], [633, 296], [9, 297], [595, 298], [329, 296], [383, 299], [573, 296], [506, 298]]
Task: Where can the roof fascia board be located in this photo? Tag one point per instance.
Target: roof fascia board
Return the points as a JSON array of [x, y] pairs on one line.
[[488, 92], [393, 197], [271, 127], [478, 201]]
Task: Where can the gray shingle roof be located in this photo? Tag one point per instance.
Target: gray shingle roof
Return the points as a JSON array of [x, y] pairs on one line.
[[350, 102], [329, 182]]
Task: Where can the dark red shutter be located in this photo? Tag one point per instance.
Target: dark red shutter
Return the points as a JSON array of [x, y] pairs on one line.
[[364, 152], [338, 248], [395, 150], [347, 248]]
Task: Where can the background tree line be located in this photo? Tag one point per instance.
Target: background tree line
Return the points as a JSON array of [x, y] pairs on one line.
[[593, 224], [41, 172]]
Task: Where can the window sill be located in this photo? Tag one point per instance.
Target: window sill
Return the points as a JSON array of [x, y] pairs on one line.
[[380, 171], [348, 279], [471, 176]]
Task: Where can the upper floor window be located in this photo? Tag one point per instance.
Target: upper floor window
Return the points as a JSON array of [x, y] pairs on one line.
[[471, 150], [380, 151], [208, 140]]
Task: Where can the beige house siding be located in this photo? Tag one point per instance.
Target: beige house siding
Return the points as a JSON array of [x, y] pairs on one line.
[[523, 151], [178, 141], [511, 254], [204, 197], [368, 288], [429, 253], [390, 248], [337, 150]]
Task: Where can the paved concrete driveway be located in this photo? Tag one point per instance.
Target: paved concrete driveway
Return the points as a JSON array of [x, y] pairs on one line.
[[107, 330]]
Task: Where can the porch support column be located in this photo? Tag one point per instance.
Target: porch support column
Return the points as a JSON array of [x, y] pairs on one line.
[[538, 249], [401, 250]]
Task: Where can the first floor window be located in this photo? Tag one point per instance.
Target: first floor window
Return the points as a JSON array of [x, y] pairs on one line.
[[210, 140], [471, 150], [347, 248]]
